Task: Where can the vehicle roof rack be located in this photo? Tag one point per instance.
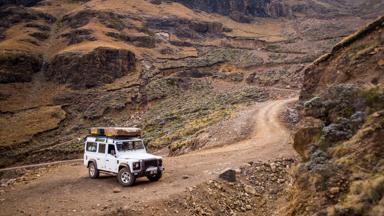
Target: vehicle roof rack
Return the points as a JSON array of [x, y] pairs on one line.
[[112, 137]]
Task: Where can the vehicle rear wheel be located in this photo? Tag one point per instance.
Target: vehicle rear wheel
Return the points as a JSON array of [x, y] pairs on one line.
[[93, 171], [125, 177], [155, 177]]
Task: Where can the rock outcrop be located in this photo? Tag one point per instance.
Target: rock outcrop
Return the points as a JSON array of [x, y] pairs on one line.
[[18, 66], [246, 10], [100, 66], [343, 152], [27, 3], [360, 63], [228, 7], [242, 10]]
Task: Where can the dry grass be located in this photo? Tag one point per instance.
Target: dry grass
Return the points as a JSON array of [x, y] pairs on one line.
[[58, 8], [28, 95], [364, 197], [270, 30], [15, 35], [21, 127]]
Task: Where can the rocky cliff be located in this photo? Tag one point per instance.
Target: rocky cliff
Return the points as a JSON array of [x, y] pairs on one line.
[[18, 66], [101, 66], [241, 10], [246, 10], [227, 7], [27, 3], [341, 131]]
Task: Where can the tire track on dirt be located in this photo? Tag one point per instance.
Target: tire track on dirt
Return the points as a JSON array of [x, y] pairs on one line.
[[68, 188]]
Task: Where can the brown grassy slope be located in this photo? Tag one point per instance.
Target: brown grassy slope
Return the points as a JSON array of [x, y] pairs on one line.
[[20, 127], [17, 37]]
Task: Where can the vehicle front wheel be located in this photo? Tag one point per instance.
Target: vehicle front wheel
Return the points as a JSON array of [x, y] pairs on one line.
[[125, 177], [93, 171], [155, 177]]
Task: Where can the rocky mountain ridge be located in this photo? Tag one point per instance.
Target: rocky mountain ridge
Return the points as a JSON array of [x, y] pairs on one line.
[[246, 10]]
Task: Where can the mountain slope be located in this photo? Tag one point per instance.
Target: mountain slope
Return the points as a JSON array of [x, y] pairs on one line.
[[160, 65], [341, 131]]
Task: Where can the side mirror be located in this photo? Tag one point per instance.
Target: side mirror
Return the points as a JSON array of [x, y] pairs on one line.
[[146, 141]]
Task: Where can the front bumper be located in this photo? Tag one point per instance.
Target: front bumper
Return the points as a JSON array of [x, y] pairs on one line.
[[148, 171]]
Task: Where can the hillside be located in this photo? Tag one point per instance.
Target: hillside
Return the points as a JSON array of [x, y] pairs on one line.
[[341, 130], [257, 107], [175, 68]]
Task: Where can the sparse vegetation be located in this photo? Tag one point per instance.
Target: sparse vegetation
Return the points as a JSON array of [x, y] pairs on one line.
[[374, 98], [190, 80], [272, 47], [346, 165], [177, 120]]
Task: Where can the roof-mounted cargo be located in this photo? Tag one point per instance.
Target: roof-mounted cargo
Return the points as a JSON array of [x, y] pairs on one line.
[[116, 131]]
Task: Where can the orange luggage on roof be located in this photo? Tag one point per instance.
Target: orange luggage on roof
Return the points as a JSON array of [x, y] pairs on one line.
[[115, 131]]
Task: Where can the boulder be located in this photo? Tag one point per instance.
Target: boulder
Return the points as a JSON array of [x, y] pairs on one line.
[[116, 190], [228, 175], [162, 36], [250, 190]]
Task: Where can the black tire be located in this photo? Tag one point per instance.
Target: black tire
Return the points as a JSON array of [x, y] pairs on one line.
[[155, 177], [125, 177], [93, 171]]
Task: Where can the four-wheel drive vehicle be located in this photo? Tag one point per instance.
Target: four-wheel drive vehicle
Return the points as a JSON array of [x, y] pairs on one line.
[[111, 150]]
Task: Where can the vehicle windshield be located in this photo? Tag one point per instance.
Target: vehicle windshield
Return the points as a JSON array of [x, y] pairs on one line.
[[130, 145]]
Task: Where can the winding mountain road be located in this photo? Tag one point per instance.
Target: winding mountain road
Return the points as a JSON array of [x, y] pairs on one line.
[[67, 188]]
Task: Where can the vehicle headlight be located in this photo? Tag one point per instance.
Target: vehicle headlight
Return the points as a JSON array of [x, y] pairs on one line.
[[136, 165]]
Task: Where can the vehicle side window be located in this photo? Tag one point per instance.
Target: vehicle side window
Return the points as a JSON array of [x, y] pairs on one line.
[[101, 148], [91, 147], [111, 149]]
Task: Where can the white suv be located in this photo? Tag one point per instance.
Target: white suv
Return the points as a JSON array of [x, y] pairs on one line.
[[126, 157]]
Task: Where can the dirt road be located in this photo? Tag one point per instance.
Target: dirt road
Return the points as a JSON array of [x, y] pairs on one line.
[[67, 190]]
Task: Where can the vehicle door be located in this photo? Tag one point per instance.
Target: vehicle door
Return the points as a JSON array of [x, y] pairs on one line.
[[110, 159], [90, 151], [100, 156]]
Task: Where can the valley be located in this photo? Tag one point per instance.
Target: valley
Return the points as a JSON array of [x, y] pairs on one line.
[[284, 92], [141, 59]]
